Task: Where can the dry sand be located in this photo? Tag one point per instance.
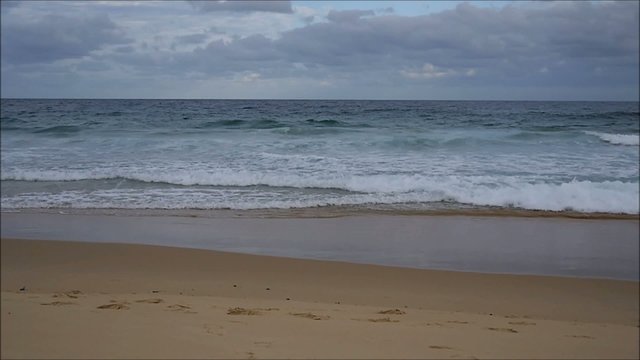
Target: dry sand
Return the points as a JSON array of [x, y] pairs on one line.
[[87, 300]]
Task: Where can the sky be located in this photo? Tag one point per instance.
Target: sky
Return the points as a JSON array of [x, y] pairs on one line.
[[416, 50]]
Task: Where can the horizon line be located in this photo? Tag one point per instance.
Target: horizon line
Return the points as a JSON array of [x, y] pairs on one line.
[[307, 99]]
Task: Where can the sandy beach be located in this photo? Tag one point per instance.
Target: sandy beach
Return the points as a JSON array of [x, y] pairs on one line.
[[99, 300], [286, 179]]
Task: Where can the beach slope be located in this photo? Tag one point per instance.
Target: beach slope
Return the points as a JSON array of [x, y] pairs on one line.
[[88, 300]]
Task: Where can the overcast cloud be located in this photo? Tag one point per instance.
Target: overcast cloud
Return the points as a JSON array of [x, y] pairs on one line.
[[244, 6], [257, 49]]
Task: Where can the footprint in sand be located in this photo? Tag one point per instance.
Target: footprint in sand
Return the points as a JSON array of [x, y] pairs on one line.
[[440, 347], [243, 311], [581, 336], [521, 323], [73, 294], [386, 320], [509, 330], [119, 302], [178, 307], [378, 320], [254, 311], [392, 312], [59, 303], [516, 317], [433, 324], [181, 308], [114, 306], [150, 301], [311, 316]]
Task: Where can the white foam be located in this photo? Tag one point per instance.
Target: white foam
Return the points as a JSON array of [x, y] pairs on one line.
[[583, 196], [617, 139], [54, 175]]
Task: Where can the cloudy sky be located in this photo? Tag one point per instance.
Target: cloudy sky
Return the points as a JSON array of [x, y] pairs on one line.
[[321, 50]]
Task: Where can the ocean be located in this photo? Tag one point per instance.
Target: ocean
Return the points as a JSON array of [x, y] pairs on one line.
[[285, 154]]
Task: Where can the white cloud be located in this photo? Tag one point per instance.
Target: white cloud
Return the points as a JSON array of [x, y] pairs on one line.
[[430, 71], [249, 77]]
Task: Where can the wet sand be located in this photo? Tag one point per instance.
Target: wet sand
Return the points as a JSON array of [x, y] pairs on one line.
[[95, 300], [516, 245]]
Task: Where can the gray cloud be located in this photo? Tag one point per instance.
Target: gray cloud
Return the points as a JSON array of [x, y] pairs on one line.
[[243, 6], [565, 41], [567, 46], [515, 46], [92, 65], [7, 4], [191, 38], [348, 15], [55, 37], [127, 49]]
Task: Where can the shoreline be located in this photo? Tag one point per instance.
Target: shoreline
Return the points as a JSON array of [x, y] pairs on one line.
[[584, 248], [332, 212], [175, 302], [337, 261]]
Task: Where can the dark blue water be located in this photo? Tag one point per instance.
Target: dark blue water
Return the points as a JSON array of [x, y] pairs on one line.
[[208, 154]]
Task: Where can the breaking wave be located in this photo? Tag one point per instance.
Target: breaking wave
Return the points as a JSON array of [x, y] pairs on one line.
[[243, 190], [617, 139]]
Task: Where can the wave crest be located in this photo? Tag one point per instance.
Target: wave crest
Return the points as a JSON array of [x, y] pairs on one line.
[[617, 139], [267, 190]]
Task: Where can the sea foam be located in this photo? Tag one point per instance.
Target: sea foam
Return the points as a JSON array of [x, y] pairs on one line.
[[617, 139], [271, 191]]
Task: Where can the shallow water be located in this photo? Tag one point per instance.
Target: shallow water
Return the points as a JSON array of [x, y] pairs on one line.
[[544, 246]]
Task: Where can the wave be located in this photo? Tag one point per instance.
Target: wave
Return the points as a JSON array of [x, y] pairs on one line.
[[583, 196], [412, 143], [303, 126], [222, 123], [242, 124], [9, 127], [617, 114], [6, 122], [617, 139], [606, 115], [109, 114], [266, 124], [260, 190], [328, 122], [59, 129]]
